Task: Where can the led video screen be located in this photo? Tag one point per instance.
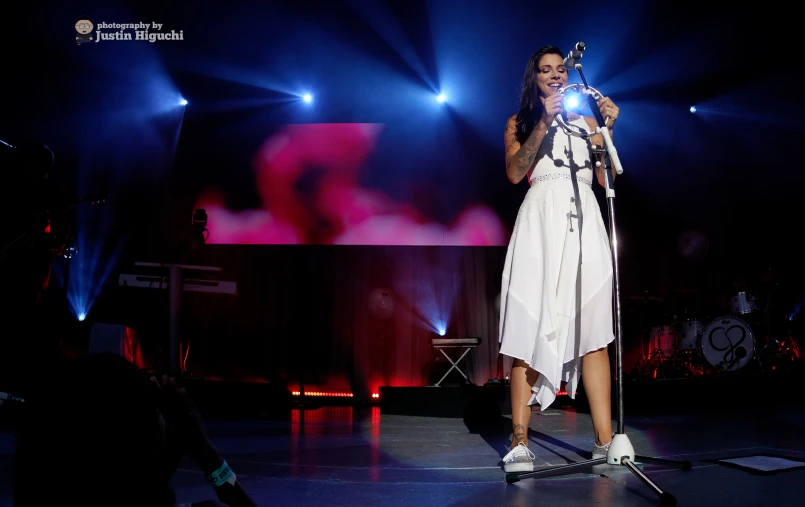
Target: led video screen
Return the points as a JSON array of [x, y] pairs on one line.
[[355, 184]]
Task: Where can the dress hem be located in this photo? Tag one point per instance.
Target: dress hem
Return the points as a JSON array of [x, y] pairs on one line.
[[553, 389]]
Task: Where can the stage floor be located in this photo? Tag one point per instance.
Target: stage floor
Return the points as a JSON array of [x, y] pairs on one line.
[[344, 456]]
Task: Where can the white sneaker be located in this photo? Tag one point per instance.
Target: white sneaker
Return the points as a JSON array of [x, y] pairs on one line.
[[519, 459], [601, 451]]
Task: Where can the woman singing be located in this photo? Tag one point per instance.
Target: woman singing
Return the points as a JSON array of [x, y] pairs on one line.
[[556, 296]]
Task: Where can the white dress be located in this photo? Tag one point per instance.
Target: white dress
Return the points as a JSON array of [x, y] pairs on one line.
[[555, 304]]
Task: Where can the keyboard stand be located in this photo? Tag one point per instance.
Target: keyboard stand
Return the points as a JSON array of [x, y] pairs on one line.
[[176, 285], [454, 343]]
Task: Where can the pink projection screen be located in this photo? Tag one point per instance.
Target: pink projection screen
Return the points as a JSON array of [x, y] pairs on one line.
[[309, 180]]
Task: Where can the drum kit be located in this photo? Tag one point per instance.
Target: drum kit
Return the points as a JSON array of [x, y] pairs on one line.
[[754, 334]]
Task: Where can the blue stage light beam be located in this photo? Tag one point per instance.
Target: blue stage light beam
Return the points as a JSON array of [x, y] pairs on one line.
[[383, 21], [90, 268]]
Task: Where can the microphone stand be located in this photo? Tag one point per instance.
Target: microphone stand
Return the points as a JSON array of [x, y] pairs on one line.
[[621, 451]]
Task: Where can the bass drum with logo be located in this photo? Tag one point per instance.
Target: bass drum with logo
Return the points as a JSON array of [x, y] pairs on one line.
[[728, 343]]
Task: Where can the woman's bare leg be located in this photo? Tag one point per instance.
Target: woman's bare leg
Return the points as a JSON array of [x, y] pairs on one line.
[[522, 380], [596, 376]]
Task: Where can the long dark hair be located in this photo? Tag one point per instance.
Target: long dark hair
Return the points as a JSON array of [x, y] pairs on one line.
[[530, 105]]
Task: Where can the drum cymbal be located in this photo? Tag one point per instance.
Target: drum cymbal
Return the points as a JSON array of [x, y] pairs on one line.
[[771, 279]]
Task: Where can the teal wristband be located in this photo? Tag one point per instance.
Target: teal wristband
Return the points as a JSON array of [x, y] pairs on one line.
[[221, 476]]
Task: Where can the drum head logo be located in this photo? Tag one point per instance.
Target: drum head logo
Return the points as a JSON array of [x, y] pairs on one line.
[[728, 344], [83, 27]]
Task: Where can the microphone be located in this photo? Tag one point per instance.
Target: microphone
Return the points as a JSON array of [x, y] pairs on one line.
[[574, 57]]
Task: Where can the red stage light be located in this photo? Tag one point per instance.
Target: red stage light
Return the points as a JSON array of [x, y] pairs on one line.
[[323, 394]]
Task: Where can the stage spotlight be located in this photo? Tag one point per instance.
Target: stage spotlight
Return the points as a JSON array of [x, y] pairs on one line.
[[81, 317], [692, 109], [441, 97], [307, 98], [183, 102], [571, 101]]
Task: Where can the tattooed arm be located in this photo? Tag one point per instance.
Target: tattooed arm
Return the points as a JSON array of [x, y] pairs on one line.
[[520, 158]]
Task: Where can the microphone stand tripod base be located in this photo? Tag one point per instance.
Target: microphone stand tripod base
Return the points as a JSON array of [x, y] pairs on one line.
[[619, 449], [621, 453]]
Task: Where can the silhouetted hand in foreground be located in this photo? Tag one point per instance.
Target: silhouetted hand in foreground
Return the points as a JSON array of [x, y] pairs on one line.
[[187, 434], [185, 427]]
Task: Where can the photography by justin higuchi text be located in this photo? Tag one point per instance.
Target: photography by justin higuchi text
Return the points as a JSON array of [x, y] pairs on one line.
[[87, 31]]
